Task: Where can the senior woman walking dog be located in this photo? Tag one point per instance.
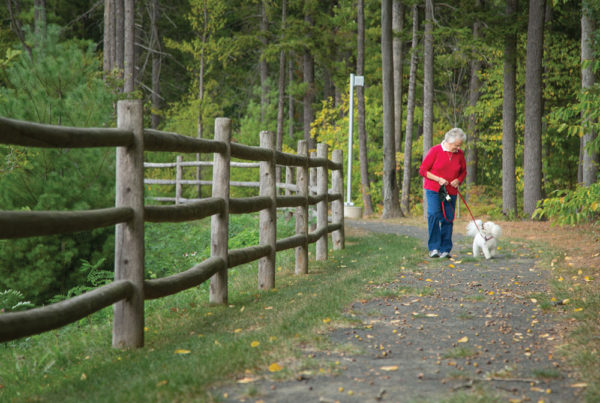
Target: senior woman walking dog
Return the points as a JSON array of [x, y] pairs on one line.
[[444, 168]]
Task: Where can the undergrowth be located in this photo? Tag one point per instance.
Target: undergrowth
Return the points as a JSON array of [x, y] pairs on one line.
[[190, 345]]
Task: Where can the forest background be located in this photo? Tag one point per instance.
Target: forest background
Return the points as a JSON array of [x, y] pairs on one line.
[[517, 76]]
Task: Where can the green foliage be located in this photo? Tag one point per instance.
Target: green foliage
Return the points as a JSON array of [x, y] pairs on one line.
[[61, 85], [581, 205], [95, 276], [12, 300]]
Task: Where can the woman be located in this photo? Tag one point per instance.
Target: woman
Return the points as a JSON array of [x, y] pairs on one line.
[[444, 165]]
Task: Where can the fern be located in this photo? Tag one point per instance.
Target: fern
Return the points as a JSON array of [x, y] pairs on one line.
[[13, 300]]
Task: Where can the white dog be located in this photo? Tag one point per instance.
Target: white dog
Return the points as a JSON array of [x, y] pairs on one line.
[[485, 237]]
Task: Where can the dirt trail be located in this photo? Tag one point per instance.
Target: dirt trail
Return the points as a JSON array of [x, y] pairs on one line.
[[458, 326]]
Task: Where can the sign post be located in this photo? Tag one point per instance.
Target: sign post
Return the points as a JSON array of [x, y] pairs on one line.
[[359, 82]]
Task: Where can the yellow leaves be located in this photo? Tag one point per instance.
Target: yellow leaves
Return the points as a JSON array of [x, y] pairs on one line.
[[161, 383], [463, 340], [275, 367], [255, 343], [247, 379], [237, 330], [389, 368], [326, 320], [451, 266], [579, 385], [83, 377], [491, 293], [182, 351]]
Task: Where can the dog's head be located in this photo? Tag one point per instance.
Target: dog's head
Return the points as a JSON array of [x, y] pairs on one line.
[[474, 227], [491, 229]]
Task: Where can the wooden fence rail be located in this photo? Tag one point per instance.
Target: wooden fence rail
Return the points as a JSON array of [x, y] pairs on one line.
[[129, 289]]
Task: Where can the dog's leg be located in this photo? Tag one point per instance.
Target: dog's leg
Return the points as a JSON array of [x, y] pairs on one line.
[[475, 250], [486, 251]]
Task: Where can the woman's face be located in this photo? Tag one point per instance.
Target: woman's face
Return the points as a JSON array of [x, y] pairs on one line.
[[454, 146]]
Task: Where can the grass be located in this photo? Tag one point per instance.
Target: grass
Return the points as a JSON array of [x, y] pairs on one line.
[[191, 346], [460, 352]]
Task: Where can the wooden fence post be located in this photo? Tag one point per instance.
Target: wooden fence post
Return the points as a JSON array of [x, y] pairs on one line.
[[178, 177], [337, 206], [302, 211], [128, 321], [219, 223], [322, 186], [312, 185], [268, 216]]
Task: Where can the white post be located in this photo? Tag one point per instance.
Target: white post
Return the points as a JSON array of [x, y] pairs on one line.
[[350, 121]]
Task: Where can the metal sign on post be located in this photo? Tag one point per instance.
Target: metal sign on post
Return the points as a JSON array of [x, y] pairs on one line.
[[357, 81]]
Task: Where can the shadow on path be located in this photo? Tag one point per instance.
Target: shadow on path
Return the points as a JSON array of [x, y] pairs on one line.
[[464, 328]]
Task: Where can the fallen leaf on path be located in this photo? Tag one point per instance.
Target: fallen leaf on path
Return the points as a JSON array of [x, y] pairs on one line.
[[255, 343], [182, 351], [275, 367], [463, 340], [389, 368], [247, 379], [579, 385]]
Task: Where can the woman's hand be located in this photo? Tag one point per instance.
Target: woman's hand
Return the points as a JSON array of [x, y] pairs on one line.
[[442, 182], [455, 183]]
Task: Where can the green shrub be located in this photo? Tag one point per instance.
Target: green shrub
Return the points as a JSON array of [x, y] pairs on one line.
[[581, 205]]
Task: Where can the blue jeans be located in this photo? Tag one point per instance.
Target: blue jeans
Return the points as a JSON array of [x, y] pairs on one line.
[[440, 228]]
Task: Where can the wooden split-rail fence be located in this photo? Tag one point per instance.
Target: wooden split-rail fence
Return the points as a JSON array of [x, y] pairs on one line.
[[129, 289]]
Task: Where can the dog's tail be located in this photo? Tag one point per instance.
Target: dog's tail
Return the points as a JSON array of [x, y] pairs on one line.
[[474, 227]]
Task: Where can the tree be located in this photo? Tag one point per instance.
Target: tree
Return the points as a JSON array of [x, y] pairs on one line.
[[262, 63], [58, 85], [398, 56], [410, 112], [391, 204], [365, 185], [509, 193], [532, 153], [308, 75], [427, 86], [156, 49], [428, 78], [474, 85], [590, 156], [129, 47]]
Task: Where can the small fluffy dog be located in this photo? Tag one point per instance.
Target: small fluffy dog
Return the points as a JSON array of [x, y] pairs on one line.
[[485, 237]]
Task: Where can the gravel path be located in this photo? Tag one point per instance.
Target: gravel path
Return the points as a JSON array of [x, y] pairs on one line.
[[459, 327]]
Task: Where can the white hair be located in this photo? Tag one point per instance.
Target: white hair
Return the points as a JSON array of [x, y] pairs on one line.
[[455, 134]]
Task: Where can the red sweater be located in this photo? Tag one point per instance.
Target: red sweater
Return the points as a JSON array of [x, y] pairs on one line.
[[444, 164]]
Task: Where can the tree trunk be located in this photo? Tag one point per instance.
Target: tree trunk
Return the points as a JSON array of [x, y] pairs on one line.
[[398, 46], [474, 85], [290, 96], [428, 79], [410, 113], [281, 90], [391, 204], [309, 81], [39, 17], [108, 51], [156, 63], [262, 64], [509, 113], [200, 125], [532, 153], [427, 86], [119, 36], [15, 23], [129, 47], [365, 186], [590, 158]]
